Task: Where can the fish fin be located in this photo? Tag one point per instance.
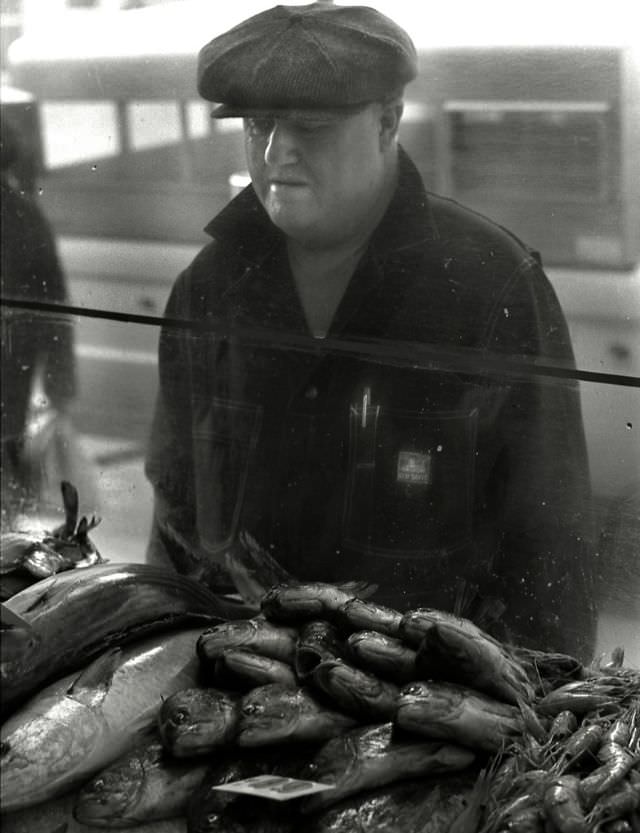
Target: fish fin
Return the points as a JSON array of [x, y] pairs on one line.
[[361, 589], [42, 598], [11, 620], [71, 503], [92, 684]]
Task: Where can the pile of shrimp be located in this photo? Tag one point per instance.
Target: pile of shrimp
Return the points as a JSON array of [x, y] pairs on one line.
[[576, 768]]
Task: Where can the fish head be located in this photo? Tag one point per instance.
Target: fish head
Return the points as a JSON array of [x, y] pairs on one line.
[[196, 717], [268, 714], [112, 794]]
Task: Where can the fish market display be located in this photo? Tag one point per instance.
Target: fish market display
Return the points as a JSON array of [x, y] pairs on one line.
[[27, 555], [336, 715], [81, 723], [77, 614], [146, 784]]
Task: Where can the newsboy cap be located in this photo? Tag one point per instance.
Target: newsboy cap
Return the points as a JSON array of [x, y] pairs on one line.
[[316, 57]]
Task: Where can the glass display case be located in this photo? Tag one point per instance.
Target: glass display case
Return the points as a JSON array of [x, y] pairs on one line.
[[451, 466]]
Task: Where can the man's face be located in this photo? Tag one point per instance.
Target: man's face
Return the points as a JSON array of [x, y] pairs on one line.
[[317, 180]]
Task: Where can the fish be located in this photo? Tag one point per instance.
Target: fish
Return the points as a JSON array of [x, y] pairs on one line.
[[56, 816], [146, 784], [318, 640], [78, 614], [314, 600], [254, 571], [43, 553], [275, 714], [452, 712], [357, 692], [257, 635], [384, 655], [456, 650], [365, 615], [82, 722], [196, 721], [373, 756], [245, 670], [421, 805]]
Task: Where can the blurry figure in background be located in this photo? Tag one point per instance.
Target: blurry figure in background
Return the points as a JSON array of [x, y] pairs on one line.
[[454, 487], [38, 364]]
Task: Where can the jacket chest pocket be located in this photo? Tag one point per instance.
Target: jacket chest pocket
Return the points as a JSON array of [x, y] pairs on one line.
[[410, 481]]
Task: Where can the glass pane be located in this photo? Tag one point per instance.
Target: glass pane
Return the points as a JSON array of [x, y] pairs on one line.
[[154, 123], [79, 131], [530, 152], [359, 504]]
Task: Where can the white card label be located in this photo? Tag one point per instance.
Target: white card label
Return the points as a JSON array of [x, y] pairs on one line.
[[274, 786]]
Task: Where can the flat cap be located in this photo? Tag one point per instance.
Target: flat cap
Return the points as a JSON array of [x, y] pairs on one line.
[[314, 57]]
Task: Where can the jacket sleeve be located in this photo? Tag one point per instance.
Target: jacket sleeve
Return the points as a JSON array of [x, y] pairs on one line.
[[169, 464], [545, 563]]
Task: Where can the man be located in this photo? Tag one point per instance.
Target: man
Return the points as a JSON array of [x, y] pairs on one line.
[[298, 408]]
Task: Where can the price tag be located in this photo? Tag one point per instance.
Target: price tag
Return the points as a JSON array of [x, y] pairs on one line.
[[276, 787]]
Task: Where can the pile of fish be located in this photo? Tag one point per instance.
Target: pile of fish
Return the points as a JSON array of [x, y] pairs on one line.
[[28, 555], [375, 720]]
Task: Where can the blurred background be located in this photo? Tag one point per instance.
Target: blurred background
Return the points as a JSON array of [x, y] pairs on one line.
[[529, 113]]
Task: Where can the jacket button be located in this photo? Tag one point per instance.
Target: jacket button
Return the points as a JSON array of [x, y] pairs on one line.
[[311, 392]]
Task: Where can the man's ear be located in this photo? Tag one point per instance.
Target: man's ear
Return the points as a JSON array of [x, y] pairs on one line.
[[390, 116]]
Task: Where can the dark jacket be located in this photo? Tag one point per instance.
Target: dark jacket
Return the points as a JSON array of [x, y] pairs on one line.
[[418, 446]]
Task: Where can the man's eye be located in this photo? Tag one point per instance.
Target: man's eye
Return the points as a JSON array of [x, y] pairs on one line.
[[259, 127]]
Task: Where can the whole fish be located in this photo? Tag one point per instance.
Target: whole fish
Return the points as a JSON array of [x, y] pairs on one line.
[[364, 615], [78, 614], [246, 670], [257, 635], [452, 712], [195, 721], [383, 655], [274, 714], [83, 722], [456, 650], [372, 756], [318, 640], [56, 816], [424, 805], [315, 600], [43, 553], [145, 784], [357, 692], [255, 571]]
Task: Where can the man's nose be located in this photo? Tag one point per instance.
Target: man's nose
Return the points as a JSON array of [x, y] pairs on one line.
[[282, 147]]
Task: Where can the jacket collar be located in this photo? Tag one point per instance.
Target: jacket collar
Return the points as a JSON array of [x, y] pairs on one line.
[[245, 226]]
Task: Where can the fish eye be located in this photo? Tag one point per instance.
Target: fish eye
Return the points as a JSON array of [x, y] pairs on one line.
[[179, 716]]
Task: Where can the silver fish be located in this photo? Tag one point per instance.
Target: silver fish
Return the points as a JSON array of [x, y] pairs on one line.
[[257, 635], [456, 650], [383, 655], [195, 721], [370, 757], [146, 784], [80, 613], [452, 712], [82, 723], [275, 714], [357, 692]]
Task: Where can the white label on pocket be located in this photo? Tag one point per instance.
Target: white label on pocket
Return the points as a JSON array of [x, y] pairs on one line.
[[414, 467]]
